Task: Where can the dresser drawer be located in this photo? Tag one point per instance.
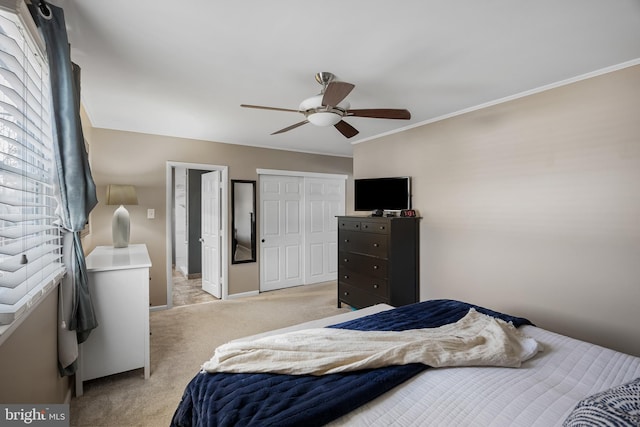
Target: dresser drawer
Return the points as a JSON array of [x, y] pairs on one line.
[[365, 265], [372, 285], [357, 297], [348, 224], [381, 227], [364, 243]]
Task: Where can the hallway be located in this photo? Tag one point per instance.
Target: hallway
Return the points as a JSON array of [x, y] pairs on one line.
[[188, 291]]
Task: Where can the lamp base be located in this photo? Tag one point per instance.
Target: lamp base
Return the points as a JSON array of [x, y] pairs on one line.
[[120, 228]]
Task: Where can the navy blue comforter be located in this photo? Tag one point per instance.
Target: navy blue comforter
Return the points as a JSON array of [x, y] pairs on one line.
[[223, 399]]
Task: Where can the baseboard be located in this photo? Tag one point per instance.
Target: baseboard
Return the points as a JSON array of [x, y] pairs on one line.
[[243, 295], [158, 307]]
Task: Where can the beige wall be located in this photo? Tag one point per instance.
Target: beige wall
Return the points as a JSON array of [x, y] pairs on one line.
[[29, 368], [532, 206], [140, 159]]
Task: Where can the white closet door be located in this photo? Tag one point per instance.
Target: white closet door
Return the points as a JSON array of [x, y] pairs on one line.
[[324, 200], [281, 243]]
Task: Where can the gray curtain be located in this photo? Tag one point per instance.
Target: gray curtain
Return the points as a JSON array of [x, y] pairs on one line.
[[75, 186]]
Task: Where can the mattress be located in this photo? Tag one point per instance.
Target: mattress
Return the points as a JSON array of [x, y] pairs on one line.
[[542, 392]]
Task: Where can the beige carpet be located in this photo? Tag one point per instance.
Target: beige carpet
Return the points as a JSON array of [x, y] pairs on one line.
[[189, 291], [182, 338]]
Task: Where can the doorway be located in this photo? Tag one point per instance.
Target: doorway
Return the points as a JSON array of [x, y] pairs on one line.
[[223, 204]]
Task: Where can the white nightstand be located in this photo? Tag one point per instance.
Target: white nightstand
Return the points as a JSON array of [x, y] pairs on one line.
[[119, 286]]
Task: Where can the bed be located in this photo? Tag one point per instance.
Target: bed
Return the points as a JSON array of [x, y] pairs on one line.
[[570, 382]]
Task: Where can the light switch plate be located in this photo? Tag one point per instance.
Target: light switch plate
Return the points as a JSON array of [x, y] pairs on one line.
[[151, 213]]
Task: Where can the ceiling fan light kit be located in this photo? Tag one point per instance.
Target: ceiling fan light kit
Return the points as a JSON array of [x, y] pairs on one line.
[[329, 107], [322, 115], [324, 118]]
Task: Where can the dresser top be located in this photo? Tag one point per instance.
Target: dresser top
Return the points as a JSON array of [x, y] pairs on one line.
[[104, 258]]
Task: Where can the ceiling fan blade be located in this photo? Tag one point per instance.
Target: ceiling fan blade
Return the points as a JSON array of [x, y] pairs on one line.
[[269, 108], [381, 113], [336, 92], [288, 128], [346, 129]]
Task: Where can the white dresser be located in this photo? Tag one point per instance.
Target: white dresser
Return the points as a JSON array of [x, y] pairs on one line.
[[119, 286]]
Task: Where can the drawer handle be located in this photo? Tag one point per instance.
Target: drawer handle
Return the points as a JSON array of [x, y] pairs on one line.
[[375, 245], [376, 286], [346, 260], [346, 294], [346, 276], [346, 240], [382, 227], [375, 267]]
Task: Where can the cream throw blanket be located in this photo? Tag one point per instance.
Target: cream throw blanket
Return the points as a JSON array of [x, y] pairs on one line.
[[474, 340]]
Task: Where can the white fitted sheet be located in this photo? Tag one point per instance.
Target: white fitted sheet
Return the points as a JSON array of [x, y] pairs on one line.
[[540, 393]]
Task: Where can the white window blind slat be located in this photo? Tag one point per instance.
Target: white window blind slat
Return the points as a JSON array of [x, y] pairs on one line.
[[18, 231], [11, 312], [13, 181], [17, 247], [30, 241], [23, 217], [10, 295], [22, 200], [11, 279], [14, 263]]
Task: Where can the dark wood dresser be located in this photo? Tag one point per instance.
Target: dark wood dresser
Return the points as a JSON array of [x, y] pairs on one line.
[[378, 261]]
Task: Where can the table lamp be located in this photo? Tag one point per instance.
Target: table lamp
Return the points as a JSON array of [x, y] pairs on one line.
[[121, 195]]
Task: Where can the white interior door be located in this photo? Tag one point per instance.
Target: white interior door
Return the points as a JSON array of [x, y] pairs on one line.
[[211, 233], [281, 232], [324, 200]]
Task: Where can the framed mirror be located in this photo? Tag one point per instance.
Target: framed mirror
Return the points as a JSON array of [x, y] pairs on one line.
[[243, 221]]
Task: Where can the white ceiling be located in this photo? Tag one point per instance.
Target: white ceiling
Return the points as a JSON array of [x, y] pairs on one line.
[[182, 68]]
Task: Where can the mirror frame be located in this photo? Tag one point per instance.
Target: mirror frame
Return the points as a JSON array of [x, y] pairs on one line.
[[252, 224]]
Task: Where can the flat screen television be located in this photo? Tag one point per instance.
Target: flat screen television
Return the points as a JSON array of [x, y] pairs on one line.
[[389, 194]]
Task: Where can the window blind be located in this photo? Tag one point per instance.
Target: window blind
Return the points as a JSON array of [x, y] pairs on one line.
[[30, 240]]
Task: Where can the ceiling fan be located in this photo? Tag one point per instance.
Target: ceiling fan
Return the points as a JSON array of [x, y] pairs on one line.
[[328, 108]]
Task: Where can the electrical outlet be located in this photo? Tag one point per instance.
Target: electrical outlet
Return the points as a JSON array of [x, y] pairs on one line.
[[151, 213]]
